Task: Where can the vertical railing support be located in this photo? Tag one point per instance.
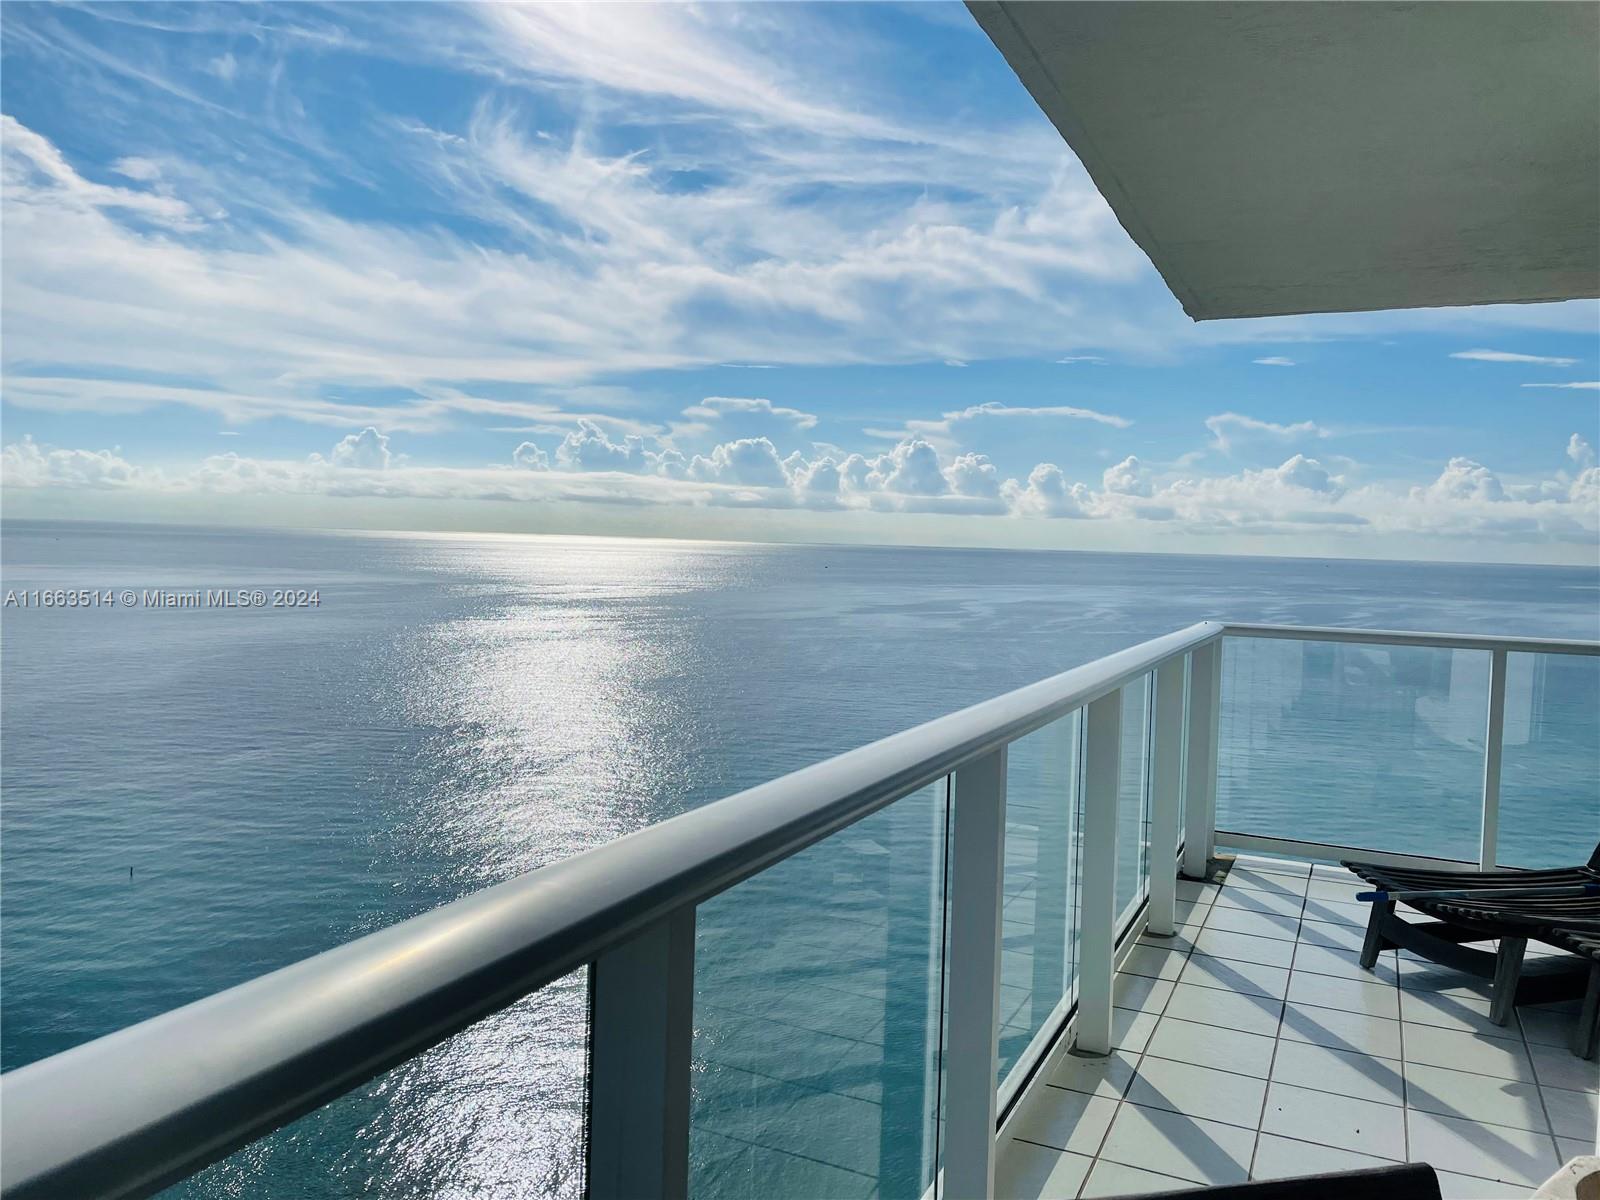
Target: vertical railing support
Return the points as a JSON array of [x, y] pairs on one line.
[[641, 1030], [972, 1064], [1200, 774], [1493, 746], [1102, 767], [1166, 778]]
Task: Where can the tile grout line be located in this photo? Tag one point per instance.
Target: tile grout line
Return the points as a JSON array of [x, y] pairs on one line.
[[1277, 1038], [1538, 1084]]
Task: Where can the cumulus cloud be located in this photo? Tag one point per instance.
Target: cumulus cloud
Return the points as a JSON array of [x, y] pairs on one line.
[[1047, 494], [1127, 478], [750, 461], [366, 451], [973, 475], [1506, 356], [1580, 451], [530, 457], [1463, 479], [28, 464]]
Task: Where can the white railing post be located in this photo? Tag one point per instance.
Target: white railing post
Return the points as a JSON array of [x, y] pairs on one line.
[[1166, 780], [1493, 746], [1102, 768], [972, 1063], [641, 1033], [1200, 775]]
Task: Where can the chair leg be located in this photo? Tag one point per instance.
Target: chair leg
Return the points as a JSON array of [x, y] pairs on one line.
[[1373, 945], [1586, 1035], [1507, 974]]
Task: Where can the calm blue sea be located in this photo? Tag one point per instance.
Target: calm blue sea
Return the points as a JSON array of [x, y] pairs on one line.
[[458, 709]]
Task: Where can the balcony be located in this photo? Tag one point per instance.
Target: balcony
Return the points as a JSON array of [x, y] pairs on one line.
[[1008, 952]]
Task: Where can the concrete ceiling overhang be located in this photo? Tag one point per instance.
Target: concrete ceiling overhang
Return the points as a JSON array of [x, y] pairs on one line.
[[1288, 157]]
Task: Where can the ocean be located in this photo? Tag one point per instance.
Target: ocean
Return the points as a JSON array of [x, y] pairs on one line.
[[194, 796]]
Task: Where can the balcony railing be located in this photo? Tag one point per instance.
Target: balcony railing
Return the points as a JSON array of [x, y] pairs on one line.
[[958, 894]]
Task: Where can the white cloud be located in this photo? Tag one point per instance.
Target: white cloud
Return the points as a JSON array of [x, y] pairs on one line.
[[973, 475], [1081, 358], [1228, 428], [366, 451], [714, 408], [1464, 479], [27, 464], [1505, 356], [1275, 361], [1128, 478], [1580, 452], [750, 461], [1047, 494], [530, 457], [954, 362], [1589, 385]]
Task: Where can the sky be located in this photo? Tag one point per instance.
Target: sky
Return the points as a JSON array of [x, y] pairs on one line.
[[779, 272]]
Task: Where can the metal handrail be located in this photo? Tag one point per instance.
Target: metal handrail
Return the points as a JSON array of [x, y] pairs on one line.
[[136, 1110], [1399, 637]]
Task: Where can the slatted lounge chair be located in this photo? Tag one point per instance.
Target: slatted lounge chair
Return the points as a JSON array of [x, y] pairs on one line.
[[1583, 941], [1404, 1181], [1510, 921]]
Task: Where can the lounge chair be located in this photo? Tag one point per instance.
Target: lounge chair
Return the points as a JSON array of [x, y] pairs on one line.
[[1510, 920], [1583, 941], [1403, 1181]]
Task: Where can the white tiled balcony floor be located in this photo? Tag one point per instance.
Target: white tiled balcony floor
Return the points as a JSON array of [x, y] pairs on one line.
[[1253, 1045]]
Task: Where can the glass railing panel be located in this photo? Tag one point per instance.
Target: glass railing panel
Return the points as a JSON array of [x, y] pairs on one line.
[[496, 1110], [1550, 765], [817, 1037], [1133, 797], [1375, 747], [1039, 923]]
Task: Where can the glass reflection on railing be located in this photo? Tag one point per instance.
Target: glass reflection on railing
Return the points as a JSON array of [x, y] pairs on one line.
[[1133, 797], [1550, 765], [1370, 746], [1039, 925], [817, 1037]]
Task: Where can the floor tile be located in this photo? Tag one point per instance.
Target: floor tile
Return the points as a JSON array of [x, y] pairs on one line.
[[1244, 947], [1187, 911], [1548, 1024], [1282, 1158], [1185, 1088], [1277, 866], [1023, 1171], [1212, 1006], [1261, 902], [1174, 1144], [1342, 963], [1558, 1067], [1192, 891], [1322, 933], [1337, 912], [1339, 874], [1154, 962], [1465, 1187], [1239, 920], [1339, 1121], [1180, 941], [1065, 1120], [1114, 1179], [1419, 975], [1209, 1046], [1105, 1075], [1251, 979], [1265, 881], [1340, 890], [1344, 1072], [1136, 991], [1347, 995], [1487, 1151], [1131, 1029], [1474, 1097], [1434, 1047], [1572, 1114], [1469, 1014], [1341, 1030]]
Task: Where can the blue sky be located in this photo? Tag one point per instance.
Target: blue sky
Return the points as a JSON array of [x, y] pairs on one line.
[[776, 271]]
